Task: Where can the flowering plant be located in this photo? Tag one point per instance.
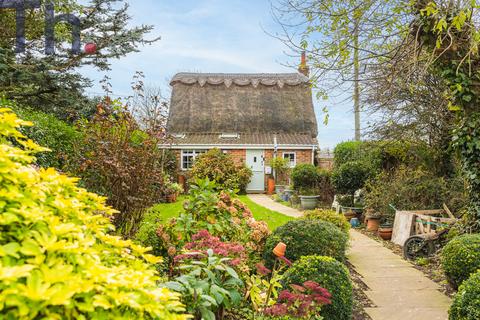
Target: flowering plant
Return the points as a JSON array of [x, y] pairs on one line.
[[302, 301], [261, 291], [203, 240], [216, 213]]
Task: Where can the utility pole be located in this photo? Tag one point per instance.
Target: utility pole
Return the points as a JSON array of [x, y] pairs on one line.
[[356, 78]]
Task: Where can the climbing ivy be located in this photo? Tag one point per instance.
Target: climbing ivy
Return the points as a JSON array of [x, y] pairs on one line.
[[448, 33]]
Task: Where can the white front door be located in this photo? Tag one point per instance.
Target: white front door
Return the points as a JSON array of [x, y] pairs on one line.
[[255, 162]]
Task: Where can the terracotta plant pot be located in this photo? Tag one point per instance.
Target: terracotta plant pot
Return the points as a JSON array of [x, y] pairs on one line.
[[171, 198], [385, 233], [372, 224], [280, 249], [349, 215], [182, 181], [270, 186]]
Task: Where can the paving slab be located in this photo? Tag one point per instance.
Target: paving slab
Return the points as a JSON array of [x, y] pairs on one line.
[[415, 313], [396, 288], [267, 202]]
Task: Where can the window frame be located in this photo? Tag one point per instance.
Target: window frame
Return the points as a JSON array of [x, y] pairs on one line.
[[194, 153], [289, 153]]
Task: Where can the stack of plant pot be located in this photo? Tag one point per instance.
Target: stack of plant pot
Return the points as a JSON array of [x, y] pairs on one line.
[[372, 220]]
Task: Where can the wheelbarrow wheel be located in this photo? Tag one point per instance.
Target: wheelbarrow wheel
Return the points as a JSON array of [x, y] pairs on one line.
[[417, 247]]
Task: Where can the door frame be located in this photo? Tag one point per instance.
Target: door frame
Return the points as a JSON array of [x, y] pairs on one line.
[[263, 169]]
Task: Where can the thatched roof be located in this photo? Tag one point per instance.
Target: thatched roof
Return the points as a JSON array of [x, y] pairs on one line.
[[242, 103], [252, 139]]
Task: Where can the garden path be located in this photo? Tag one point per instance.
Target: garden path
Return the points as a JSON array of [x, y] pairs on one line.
[[396, 288], [267, 202]]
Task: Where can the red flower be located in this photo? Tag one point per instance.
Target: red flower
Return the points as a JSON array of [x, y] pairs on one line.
[[286, 295], [261, 269], [312, 285], [298, 288]]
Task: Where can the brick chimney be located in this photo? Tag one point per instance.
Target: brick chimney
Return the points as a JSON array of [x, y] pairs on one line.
[[303, 68]]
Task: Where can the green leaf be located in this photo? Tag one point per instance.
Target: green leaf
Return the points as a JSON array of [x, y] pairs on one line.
[[10, 249], [207, 314], [175, 286], [231, 272]]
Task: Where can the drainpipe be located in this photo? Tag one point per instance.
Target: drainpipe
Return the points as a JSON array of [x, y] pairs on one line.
[[313, 155], [275, 149]]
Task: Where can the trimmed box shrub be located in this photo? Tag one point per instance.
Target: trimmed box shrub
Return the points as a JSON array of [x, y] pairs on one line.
[[466, 303], [461, 257], [329, 215], [304, 176], [331, 275], [307, 237]]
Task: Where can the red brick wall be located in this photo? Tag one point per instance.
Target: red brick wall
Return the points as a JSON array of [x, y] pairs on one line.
[[239, 156], [303, 156], [325, 163]]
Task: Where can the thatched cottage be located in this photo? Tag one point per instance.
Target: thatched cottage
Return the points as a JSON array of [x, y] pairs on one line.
[[251, 116]]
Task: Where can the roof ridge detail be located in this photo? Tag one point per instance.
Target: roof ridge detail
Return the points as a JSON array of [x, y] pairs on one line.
[[241, 79]]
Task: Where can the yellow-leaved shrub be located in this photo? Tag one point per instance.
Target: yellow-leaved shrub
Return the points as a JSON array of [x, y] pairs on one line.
[[57, 258]]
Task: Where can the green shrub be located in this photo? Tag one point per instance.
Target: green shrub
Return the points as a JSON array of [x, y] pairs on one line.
[[58, 258], [347, 151], [461, 258], [307, 237], [220, 168], [329, 215], [118, 160], [412, 189], [147, 231], [466, 303], [282, 169], [350, 177], [304, 176], [52, 133], [331, 275]]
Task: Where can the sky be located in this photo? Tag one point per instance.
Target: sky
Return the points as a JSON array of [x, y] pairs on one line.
[[226, 36]]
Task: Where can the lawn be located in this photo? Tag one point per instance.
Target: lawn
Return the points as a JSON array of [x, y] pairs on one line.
[[274, 219]]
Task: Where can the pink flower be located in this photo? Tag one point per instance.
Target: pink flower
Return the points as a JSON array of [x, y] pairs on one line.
[[235, 262], [276, 310], [321, 299], [261, 269], [286, 295], [312, 285], [298, 288]]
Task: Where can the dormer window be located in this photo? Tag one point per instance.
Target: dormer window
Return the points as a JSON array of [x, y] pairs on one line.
[[179, 135], [229, 136]]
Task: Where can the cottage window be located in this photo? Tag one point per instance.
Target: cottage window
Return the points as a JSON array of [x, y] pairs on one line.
[[292, 157], [188, 157]]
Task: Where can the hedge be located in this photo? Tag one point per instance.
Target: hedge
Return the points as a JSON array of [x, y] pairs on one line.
[[307, 237]]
